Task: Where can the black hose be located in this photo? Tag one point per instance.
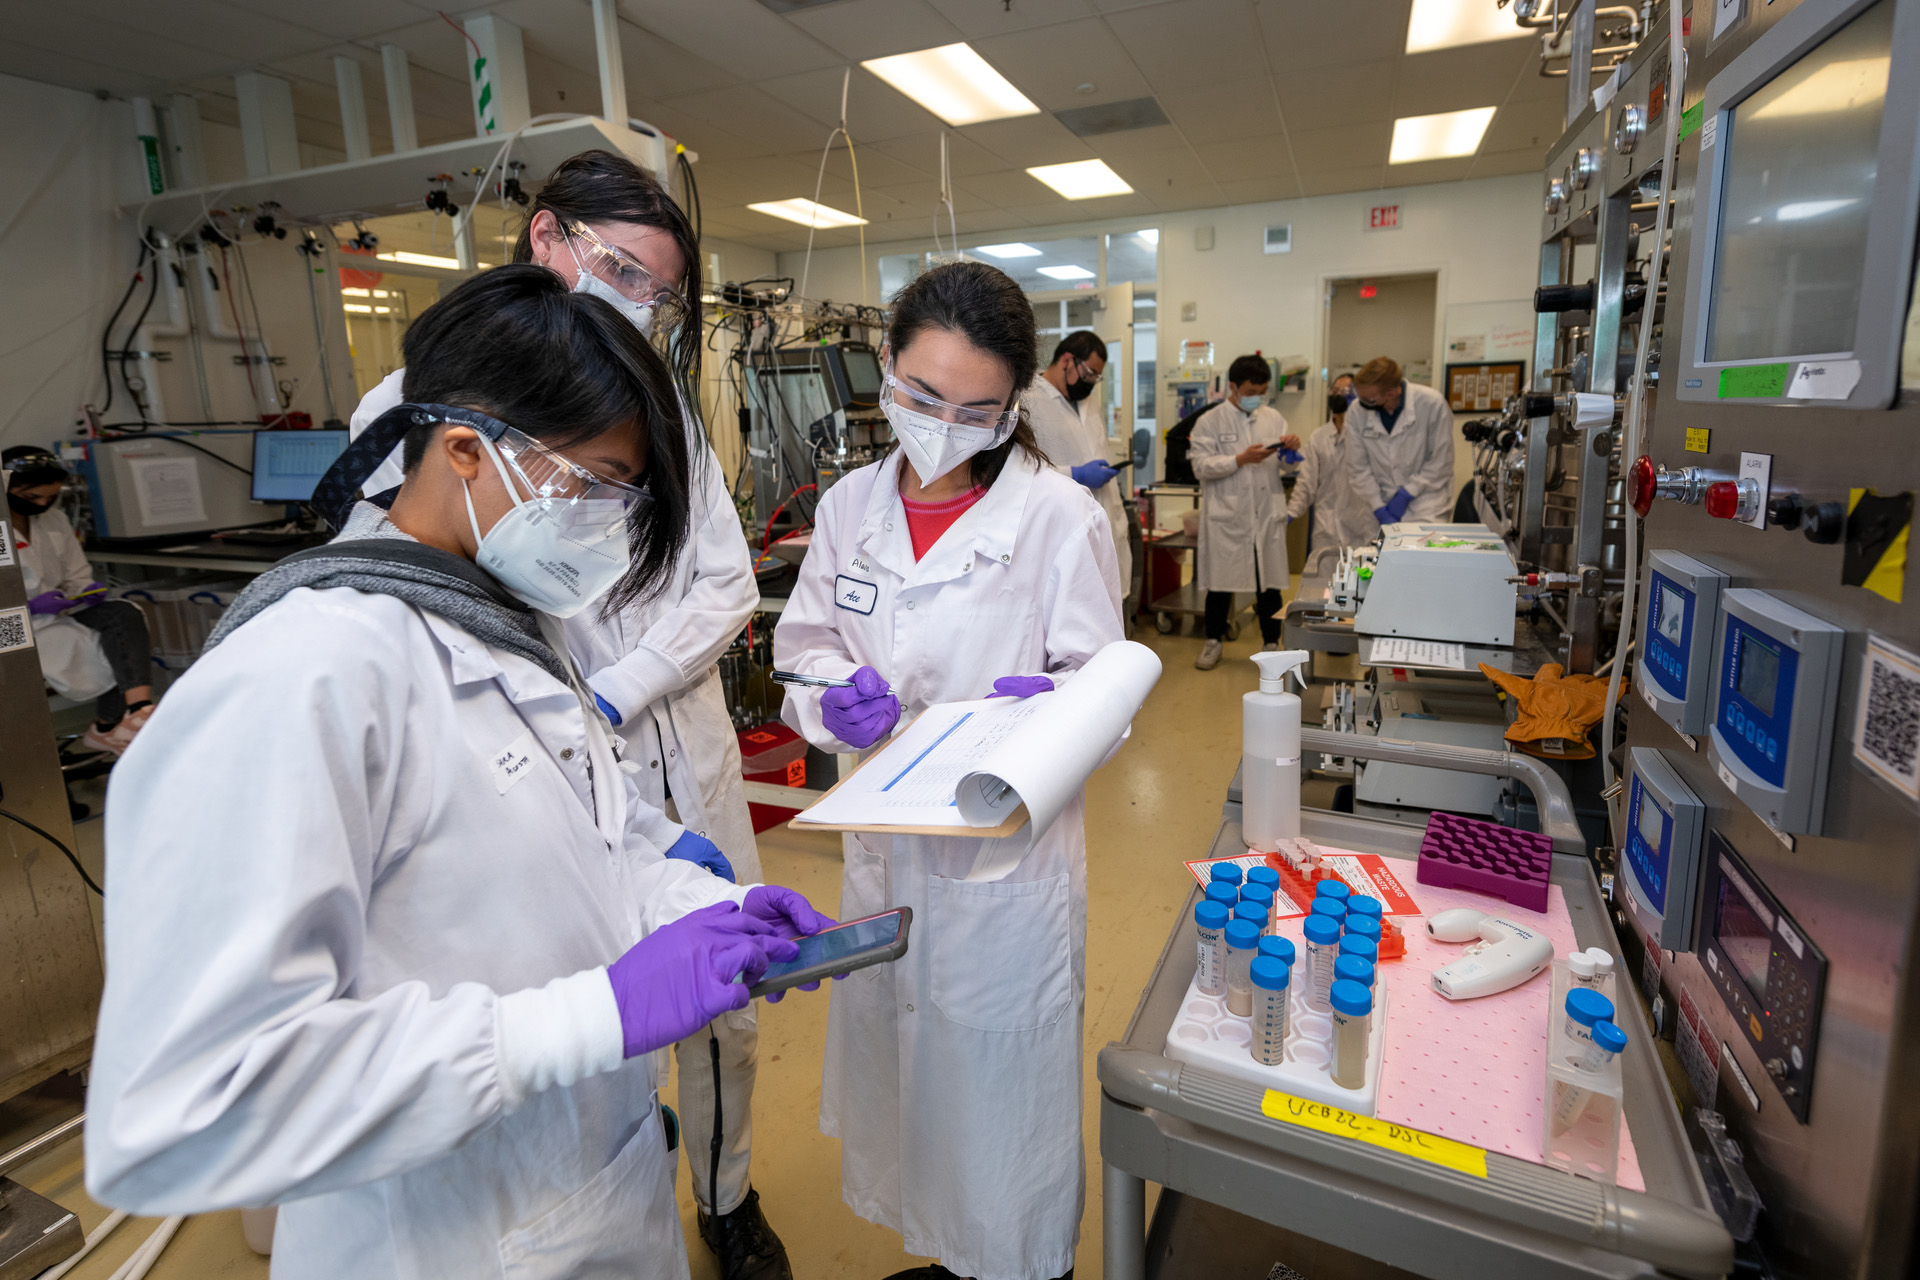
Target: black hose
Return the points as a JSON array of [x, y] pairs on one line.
[[14, 817], [188, 444], [106, 334], [713, 1154], [153, 291]]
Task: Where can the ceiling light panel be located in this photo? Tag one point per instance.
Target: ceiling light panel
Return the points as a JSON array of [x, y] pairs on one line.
[[954, 83], [1082, 179], [1008, 250], [1066, 273], [807, 213], [1444, 24], [1438, 137]]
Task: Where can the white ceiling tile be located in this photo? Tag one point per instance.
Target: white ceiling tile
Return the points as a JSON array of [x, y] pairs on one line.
[[240, 35], [659, 69], [1118, 6], [1049, 64], [742, 35], [1413, 175], [1214, 111], [339, 19], [1530, 125], [1489, 164], [1246, 159], [1315, 31], [1193, 42], [747, 112], [1029, 140], [922, 151], [1320, 97], [863, 29], [876, 111], [1452, 79], [1113, 147], [1260, 190], [1342, 147], [983, 19], [1326, 182], [1158, 172], [1007, 189]]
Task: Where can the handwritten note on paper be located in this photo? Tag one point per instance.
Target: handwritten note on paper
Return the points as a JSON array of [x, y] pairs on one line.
[[1320, 1117]]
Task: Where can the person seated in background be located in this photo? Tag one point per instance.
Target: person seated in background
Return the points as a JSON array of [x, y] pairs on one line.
[[89, 646], [1237, 448]]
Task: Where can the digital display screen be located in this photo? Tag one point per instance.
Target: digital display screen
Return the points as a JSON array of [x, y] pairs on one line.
[[1744, 936], [1673, 615], [830, 946], [1652, 821], [863, 373], [1759, 673], [1799, 159], [288, 464]]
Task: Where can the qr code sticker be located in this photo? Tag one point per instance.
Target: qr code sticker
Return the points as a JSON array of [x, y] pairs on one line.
[[1886, 734], [16, 632]]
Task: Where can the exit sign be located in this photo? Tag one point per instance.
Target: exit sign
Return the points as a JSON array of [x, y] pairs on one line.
[[1383, 217], [1369, 290]]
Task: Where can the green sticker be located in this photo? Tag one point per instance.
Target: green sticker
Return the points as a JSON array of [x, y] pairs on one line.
[[1690, 119], [1754, 382]]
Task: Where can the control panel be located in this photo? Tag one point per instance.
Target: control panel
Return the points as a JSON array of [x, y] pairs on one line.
[[1665, 820], [1777, 677], [1766, 969], [1676, 638]]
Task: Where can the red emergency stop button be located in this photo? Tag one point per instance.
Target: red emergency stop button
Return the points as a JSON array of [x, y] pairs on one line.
[[1640, 484]]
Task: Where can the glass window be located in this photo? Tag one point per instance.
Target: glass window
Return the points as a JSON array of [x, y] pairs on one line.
[[897, 271], [1800, 158], [1134, 256], [1045, 266]]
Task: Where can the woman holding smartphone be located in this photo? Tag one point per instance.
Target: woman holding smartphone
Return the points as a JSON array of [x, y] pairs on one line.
[[960, 566]]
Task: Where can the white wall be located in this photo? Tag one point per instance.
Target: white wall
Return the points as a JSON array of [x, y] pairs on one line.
[[1479, 237]]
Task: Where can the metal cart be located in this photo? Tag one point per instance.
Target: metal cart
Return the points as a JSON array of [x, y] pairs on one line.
[[1204, 1139]]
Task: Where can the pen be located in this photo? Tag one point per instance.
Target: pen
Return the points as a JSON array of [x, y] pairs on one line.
[[818, 682]]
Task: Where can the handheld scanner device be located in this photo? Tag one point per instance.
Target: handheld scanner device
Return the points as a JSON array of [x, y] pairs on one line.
[[1506, 955]]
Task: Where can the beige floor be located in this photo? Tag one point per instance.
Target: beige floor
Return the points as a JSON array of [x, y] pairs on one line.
[[1157, 803]]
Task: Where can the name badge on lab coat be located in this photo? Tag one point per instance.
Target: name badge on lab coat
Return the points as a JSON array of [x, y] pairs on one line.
[[854, 595], [513, 762]]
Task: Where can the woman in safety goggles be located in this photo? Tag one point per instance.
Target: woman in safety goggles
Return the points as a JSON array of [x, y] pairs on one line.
[[961, 566], [607, 228], [389, 932]]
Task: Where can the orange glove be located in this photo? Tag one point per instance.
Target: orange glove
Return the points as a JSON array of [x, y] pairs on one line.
[[1556, 711]]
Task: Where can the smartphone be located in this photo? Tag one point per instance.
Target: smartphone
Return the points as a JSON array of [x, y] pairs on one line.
[[841, 949]]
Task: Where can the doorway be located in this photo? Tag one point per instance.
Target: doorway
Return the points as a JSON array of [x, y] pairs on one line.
[[1395, 316]]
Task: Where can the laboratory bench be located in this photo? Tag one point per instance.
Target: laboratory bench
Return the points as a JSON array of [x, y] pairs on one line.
[[1204, 1139]]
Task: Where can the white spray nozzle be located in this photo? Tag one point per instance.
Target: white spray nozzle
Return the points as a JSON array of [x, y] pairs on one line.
[[1274, 665]]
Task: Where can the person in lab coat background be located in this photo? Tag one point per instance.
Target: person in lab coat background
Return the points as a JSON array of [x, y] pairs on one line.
[[958, 567], [1321, 486], [608, 227], [88, 646], [1067, 427], [1236, 449], [395, 955], [1399, 449]]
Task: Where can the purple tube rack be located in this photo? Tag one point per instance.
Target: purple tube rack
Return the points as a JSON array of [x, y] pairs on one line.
[[1460, 853]]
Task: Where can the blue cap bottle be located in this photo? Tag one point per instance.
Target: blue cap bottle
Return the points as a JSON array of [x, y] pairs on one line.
[[1222, 892], [1586, 1006], [1353, 968], [1322, 931], [1242, 935], [1351, 998], [1251, 911], [1355, 945], [1332, 908], [1361, 904], [1360, 926], [1605, 1034], [1263, 875], [1335, 889], [1226, 872], [1258, 893], [1211, 915], [1270, 973], [1277, 947]]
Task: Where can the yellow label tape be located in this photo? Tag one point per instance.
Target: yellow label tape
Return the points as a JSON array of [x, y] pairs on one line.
[[1696, 439], [1429, 1147]]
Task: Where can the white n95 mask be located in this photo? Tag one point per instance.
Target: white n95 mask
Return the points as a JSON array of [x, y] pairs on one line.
[[936, 435], [557, 555], [640, 313]]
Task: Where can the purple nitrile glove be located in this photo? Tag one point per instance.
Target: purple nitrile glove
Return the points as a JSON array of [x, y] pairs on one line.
[[49, 602], [680, 977], [1021, 686], [864, 714], [789, 913], [697, 849]]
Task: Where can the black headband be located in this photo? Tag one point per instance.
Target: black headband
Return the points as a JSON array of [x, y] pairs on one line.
[[334, 495]]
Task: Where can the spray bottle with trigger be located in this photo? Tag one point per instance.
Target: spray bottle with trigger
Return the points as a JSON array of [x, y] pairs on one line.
[[1270, 754]]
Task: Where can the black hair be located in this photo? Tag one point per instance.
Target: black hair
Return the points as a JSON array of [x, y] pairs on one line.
[[1245, 369], [563, 368], [1082, 344], [599, 186], [29, 466], [983, 305]]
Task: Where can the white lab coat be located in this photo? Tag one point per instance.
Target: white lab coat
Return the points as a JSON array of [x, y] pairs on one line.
[[1070, 434], [72, 659], [1417, 455], [1243, 510], [1321, 485], [363, 880], [953, 1076]]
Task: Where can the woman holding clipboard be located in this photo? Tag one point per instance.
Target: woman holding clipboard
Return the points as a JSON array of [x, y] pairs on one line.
[[958, 567]]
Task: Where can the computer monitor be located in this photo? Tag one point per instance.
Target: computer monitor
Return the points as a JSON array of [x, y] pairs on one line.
[[859, 375], [1802, 237], [288, 464]]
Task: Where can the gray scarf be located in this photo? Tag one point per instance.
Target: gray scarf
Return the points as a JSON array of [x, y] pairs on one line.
[[374, 556]]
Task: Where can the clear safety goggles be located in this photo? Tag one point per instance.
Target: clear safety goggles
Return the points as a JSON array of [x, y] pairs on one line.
[[999, 421], [623, 272], [549, 477]]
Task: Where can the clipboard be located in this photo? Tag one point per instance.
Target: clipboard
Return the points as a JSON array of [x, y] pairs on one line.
[[1008, 826]]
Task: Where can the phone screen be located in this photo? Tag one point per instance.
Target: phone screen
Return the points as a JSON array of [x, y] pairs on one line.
[[843, 942]]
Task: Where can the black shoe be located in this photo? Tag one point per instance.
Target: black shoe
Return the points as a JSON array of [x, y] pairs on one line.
[[933, 1272], [745, 1244]]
